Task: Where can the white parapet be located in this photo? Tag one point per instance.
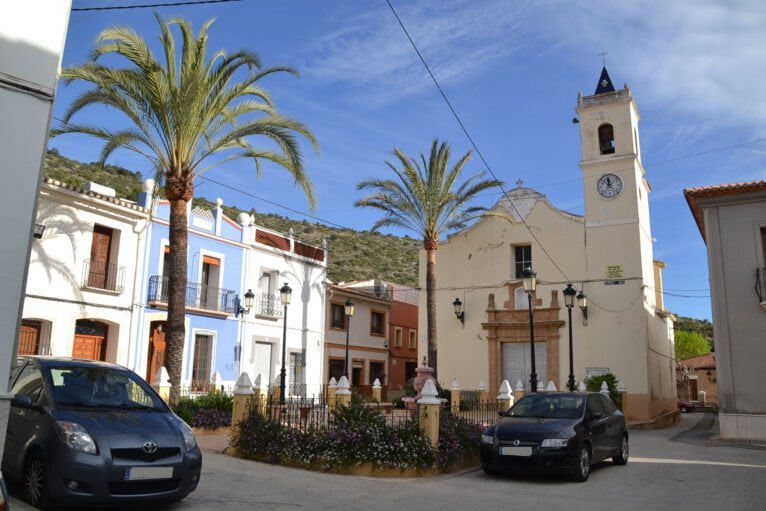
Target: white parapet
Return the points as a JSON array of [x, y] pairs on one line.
[[428, 394], [343, 387], [505, 391], [244, 385]]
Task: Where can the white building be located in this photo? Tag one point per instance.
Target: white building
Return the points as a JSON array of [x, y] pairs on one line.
[[82, 276], [606, 254]]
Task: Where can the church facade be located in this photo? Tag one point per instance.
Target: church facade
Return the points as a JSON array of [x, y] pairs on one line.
[[606, 255]]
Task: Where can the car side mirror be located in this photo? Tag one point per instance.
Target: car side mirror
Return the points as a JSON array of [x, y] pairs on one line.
[[22, 401], [501, 413]]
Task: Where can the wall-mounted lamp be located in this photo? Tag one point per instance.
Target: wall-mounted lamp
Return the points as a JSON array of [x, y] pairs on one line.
[[39, 230], [459, 312], [582, 303], [249, 299]]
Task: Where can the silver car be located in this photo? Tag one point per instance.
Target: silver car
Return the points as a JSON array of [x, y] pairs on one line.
[[83, 432]]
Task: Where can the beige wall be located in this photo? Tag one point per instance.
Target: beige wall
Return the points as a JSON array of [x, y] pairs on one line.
[[732, 231]]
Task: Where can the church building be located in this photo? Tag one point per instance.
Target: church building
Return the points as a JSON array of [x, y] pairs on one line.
[[621, 327]]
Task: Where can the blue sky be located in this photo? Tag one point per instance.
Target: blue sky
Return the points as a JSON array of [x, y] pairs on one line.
[[512, 70]]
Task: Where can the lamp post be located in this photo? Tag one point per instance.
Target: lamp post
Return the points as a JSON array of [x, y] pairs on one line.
[[569, 298], [349, 309], [529, 278], [285, 293]]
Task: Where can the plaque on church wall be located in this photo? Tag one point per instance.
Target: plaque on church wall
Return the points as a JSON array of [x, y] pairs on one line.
[[613, 272], [614, 282]]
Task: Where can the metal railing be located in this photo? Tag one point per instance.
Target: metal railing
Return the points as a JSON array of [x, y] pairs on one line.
[[270, 305], [317, 412], [102, 275], [198, 296], [760, 284]]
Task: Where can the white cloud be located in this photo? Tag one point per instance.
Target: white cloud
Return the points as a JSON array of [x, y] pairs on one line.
[[457, 39]]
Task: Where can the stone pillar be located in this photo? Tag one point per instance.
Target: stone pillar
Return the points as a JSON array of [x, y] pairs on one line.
[[377, 391], [428, 416], [604, 388], [242, 395], [504, 397], [215, 383], [623, 390], [162, 384], [551, 387], [343, 395], [540, 387], [260, 395], [332, 388], [483, 396], [519, 392], [455, 396], [581, 387]]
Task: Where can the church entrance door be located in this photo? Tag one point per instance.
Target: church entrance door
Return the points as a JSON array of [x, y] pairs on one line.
[[517, 363]]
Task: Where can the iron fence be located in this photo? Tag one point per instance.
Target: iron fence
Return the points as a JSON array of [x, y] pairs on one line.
[[197, 388], [199, 296], [317, 412], [102, 275], [482, 412], [269, 305]]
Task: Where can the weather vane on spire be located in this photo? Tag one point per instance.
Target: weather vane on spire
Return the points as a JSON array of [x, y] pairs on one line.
[[603, 55]]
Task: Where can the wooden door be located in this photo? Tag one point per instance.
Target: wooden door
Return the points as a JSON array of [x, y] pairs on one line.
[[99, 257], [29, 337], [92, 347], [156, 357]]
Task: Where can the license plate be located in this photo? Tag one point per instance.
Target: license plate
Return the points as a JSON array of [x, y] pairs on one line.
[[138, 473], [516, 451]]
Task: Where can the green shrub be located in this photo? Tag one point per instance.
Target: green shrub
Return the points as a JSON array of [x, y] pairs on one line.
[[186, 409], [594, 385]]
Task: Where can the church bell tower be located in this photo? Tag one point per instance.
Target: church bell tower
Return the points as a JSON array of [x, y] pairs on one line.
[[617, 231]]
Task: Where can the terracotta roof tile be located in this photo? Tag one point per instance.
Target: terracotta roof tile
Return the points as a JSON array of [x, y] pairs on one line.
[[693, 195], [699, 362]]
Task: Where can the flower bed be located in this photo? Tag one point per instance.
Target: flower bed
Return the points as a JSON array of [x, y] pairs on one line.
[[356, 437], [210, 411]]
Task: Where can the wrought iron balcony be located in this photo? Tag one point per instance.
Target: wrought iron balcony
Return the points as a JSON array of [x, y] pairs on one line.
[[101, 275], [269, 305], [198, 296], [760, 285]]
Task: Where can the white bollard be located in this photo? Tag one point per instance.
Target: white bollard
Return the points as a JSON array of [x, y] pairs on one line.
[[604, 388], [581, 387], [551, 387]]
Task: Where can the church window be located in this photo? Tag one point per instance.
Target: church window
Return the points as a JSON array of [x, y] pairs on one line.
[[606, 139], [522, 259]]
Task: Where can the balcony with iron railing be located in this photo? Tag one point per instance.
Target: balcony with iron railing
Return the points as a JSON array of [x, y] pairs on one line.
[[103, 276], [198, 296], [760, 286], [269, 305]]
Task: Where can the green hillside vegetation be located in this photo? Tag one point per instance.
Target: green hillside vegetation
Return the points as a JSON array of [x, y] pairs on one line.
[[352, 255], [697, 326]]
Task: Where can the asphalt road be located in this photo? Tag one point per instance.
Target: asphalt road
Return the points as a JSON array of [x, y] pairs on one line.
[[679, 468]]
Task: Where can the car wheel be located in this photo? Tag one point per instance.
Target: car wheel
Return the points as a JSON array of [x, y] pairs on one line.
[[582, 468], [36, 481], [621, 458], [488, 470]]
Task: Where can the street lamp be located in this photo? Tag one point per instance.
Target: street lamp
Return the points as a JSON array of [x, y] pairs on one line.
[[286, 294], [529, 278], [582, 303], [349, 309], [569, 299], [249, 299], [459, 312]]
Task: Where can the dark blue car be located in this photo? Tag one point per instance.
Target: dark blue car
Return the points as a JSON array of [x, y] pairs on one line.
[[562, 432], [82, 432]]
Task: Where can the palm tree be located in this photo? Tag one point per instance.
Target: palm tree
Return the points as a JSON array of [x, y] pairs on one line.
[[187, 114], [422, 200]]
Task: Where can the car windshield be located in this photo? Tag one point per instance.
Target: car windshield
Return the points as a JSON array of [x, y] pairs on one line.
[[548, 407], [101, 387]]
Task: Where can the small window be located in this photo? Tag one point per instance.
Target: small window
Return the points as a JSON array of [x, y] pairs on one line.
[[338, 319], [201, 365], [398, 337], [413, 339], [522, 259], [378, 323], [377, 370], [336, 368], [606, 139], [595, 371]]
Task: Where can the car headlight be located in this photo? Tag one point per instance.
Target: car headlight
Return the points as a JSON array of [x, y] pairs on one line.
[[76, 437], [487, 439], [555, 442], [186, 431]]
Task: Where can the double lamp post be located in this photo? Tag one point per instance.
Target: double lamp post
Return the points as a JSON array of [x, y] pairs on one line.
[[529, 279]]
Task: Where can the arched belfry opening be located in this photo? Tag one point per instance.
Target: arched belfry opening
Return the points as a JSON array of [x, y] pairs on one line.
[[606, 139]]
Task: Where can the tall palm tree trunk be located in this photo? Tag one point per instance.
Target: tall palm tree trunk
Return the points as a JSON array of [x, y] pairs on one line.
[[179, 192], [431, 247]]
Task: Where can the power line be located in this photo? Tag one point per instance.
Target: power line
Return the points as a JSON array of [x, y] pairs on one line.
[[470, 139], [147, 6]]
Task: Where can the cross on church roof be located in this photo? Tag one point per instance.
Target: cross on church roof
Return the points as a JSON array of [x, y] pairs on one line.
[[519, 183]]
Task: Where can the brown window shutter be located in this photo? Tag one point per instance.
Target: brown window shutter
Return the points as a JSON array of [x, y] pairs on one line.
[[212, 261]]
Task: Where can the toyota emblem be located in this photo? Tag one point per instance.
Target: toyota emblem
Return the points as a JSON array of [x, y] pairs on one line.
[[149, 447], [515, 443]]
